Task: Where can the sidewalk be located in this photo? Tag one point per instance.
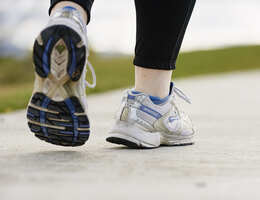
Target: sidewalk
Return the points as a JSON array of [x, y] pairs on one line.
[[223, 164]]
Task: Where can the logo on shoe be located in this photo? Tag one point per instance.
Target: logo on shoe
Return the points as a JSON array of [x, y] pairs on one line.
[[173, 123], [173, 118], [150, 111]]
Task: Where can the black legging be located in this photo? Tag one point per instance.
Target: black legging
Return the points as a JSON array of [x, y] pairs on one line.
[[161, 25]]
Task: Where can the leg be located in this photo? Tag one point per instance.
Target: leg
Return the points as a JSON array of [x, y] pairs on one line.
[[63, 4], [149, 116], [84, 6], [160, 30], [57, 112]]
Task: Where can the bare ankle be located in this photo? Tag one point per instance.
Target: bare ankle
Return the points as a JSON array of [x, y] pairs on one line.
[[152, 81], [63, 4]]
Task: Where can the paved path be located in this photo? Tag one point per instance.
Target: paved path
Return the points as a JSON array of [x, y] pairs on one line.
[[224, 163]]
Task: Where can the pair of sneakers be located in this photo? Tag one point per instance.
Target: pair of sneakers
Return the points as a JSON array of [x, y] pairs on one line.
[[57, 112]]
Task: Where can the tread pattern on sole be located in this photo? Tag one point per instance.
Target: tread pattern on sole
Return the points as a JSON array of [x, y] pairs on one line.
[[42, 52], [57, 122]]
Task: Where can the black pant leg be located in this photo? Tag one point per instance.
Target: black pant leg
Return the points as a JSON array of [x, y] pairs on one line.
[[161, 25], [86, 4]]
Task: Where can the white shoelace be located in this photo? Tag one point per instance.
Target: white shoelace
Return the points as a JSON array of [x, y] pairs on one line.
[[94, 78], [181, 94]]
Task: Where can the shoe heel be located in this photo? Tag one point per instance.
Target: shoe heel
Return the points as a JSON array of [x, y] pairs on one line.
[[58, 44], [55, 113]]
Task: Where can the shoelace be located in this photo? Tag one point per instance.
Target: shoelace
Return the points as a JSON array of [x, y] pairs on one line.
[[181, 94], [94, 78]]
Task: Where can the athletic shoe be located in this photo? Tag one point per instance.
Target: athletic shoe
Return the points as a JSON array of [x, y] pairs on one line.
[[144, 121], [57, 112]]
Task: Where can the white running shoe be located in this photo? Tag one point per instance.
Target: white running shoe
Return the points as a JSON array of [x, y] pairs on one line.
[[148, 122], [57, 112]]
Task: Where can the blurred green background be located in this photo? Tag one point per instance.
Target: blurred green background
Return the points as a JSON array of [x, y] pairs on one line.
[[17, 75], [112, 46]]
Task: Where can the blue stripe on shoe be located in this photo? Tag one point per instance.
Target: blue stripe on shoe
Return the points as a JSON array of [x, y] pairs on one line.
[[150, 111], [34, 130], [30, 114], [67, 132], [84, 133], [72, 68], [69, 8], [83, 126], [131, 97], [173, 118], [158, 100], [65, 124], [45, 104], [74, 118], [45, 57], [135, 92], [154, 99]]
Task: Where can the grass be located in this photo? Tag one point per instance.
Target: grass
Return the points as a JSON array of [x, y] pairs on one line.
[[16, 76]]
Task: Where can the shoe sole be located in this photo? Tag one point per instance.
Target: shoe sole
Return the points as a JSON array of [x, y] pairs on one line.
[[55, 113], [134, 137], [130, 142], [133, 143]]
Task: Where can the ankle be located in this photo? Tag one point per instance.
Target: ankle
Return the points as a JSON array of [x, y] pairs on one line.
[[153, 82], [72, 4]]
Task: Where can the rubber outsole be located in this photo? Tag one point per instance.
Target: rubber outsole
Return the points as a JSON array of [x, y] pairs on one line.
[[42, 51], [121, 141], [132, 145], [64, 122], [128, 143], [61, 123]]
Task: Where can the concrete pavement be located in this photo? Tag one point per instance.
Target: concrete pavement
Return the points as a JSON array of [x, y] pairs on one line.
[[223, 164]]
